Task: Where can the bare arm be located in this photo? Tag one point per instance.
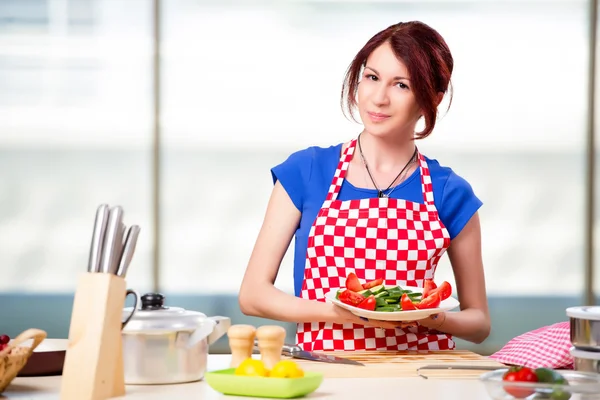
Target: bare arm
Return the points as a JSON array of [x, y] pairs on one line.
[[259, 297], [472, 323]]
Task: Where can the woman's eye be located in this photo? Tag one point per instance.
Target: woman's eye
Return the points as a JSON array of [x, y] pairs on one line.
[[402, 85], [371, 77]]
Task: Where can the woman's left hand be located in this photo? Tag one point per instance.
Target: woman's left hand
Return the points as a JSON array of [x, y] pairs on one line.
[[431, 322]]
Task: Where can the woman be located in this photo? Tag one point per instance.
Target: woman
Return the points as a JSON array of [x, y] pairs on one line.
[[389, 213]]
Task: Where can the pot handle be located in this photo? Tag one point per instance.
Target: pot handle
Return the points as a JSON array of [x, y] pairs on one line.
[[201, 333], [222, 324]]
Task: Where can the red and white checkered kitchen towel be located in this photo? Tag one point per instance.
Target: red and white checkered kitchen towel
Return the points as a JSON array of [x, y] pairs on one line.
[[544, 347]]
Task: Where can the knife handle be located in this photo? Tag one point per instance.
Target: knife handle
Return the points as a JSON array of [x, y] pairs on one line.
[[290, 349], [286, 350]]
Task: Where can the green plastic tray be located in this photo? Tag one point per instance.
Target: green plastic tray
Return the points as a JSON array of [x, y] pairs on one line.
[[225, 381]]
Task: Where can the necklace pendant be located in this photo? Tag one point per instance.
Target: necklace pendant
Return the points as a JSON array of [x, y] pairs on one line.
[[380, 194]]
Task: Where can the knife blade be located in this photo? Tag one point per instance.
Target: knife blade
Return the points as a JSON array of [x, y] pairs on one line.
[[449, 367], [128, 250], [111, 241], [100, 225], [297, 352]]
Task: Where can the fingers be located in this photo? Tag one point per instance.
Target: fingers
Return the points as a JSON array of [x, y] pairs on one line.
[[408, 324], [387, 324]]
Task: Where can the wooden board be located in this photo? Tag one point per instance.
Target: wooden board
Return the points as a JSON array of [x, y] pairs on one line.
[[389, 364]]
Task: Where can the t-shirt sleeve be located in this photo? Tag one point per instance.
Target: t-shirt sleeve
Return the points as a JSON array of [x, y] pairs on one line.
[[293, 174], [459, 204]]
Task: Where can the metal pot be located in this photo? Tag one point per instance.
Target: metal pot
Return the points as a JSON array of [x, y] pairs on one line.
[[586, 361], [165, 345], [585, 327]]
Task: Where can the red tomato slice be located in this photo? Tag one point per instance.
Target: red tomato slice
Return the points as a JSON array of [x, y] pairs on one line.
[[431, 301], [368, 304], [406, 303], [373, 283], [351, 298], [444, 290], [352, 283], [428, 287]]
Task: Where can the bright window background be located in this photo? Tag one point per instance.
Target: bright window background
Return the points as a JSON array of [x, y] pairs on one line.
[[75, 125], [244, 84]]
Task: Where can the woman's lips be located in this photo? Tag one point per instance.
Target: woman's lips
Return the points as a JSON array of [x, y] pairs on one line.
[[377, 117]]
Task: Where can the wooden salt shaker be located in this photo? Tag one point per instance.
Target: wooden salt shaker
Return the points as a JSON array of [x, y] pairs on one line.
[[270, 342], [241, 343]]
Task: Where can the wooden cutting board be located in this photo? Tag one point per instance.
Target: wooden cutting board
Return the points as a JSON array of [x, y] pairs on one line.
[[389, 364]]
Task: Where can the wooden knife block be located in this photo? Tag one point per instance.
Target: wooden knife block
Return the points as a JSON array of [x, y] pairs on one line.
[[93, 367]]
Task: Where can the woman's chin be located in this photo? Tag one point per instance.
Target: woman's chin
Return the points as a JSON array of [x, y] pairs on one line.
[[380, 130]]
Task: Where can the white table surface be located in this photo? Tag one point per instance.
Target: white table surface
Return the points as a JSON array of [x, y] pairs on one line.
[[46, 388]]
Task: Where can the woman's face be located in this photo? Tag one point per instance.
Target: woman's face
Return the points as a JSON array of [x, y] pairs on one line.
[[386, 102]]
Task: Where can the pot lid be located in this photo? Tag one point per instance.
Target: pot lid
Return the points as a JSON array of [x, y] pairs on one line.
[[156, 317], [584, 312]]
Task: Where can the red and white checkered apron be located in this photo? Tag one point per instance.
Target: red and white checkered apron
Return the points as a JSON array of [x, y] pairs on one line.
[[397, 240]]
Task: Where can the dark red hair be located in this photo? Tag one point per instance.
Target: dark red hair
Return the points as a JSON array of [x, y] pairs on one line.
[[427, 58]]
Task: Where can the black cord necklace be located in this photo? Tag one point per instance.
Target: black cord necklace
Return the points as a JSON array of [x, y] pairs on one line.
[[380, 193]]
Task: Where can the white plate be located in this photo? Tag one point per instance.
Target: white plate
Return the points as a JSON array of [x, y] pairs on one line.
[[412, 315]]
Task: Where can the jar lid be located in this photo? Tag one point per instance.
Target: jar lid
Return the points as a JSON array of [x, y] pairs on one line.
[[584, 312], [588, 355], [153, 316]]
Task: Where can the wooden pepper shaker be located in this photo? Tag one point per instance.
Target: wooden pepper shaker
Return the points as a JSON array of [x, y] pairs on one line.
[[241, 343], [270, 342]]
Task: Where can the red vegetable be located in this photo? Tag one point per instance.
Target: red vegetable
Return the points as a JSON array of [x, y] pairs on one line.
[[428, 287], [519, 374], [373, 283], [431, 301], [352, 283], [406, 303], [368, 304], [351, 298], [444, 290]]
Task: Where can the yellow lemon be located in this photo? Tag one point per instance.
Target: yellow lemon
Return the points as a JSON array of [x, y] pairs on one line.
[[286, 369], [251, 367]]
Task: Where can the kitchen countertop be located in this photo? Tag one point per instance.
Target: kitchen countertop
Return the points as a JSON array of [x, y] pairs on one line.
[[46, 388]]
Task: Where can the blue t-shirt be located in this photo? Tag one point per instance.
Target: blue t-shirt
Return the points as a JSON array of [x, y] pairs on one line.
[[306, 176]]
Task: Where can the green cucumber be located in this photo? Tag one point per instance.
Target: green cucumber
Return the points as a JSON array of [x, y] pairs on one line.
[[547, 375], [388, 308], [379, 302], [391, 300], [365, 293], [381, 294], [394, 289], [377, 289]]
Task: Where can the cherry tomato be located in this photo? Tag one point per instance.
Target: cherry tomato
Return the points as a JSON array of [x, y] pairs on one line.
[[352, 282], [519, 374]]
